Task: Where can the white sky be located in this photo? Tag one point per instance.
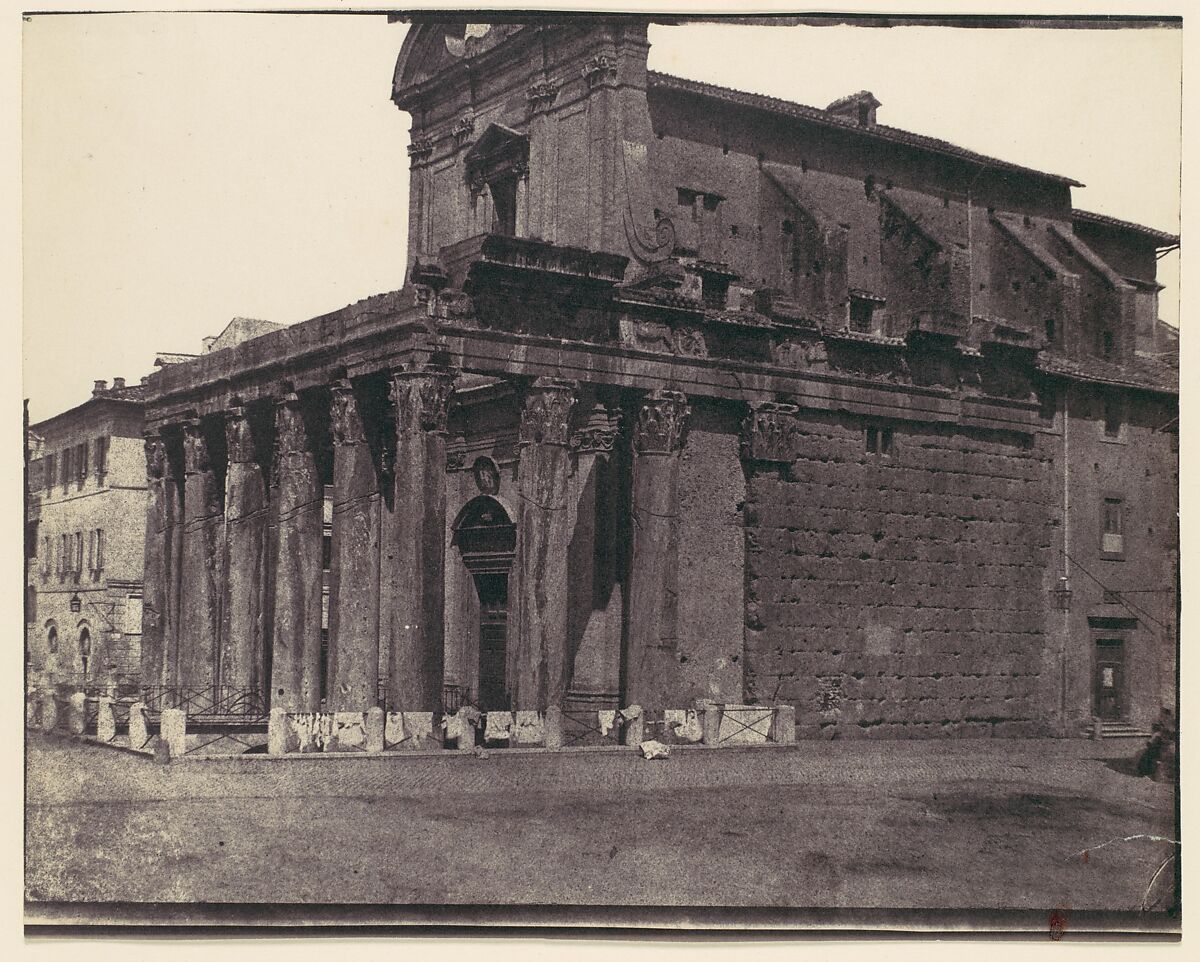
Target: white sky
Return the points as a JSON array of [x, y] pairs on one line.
[[182, 169]]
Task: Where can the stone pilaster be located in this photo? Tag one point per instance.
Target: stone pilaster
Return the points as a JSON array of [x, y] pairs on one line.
[[354, 566], [654, 570], [243, 637], [296, 504], [200, 597], [537, 669], [160, 593], [413, 542]]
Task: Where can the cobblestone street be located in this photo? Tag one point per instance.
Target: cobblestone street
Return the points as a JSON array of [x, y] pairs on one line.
[[982, 824]]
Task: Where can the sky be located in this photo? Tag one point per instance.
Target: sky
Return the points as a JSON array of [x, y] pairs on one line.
[[183, 169]]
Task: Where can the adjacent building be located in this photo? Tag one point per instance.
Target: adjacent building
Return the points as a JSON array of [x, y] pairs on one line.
[[85, 524], [688, 394]]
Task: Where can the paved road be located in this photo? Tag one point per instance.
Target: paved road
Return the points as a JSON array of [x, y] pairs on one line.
[[966, 824]]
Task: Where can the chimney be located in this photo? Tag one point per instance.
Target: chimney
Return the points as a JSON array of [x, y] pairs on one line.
[[859, 107], [118, 383], [99, 388], [208, 343]]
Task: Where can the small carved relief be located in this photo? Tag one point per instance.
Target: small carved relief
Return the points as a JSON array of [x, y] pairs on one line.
[[690, 342], [487, 475], [456, 460], [770, 433], [661, 423], [462, 129], [420, 149], [238, 440], [546, 416], [345, 422], [594, 440], [422, 399]]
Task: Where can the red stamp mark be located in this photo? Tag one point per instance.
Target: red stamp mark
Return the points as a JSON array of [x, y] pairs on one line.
[[1058, 924]]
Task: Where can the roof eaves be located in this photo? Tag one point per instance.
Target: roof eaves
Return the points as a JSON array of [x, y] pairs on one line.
[[1089, 217], [816, 115]]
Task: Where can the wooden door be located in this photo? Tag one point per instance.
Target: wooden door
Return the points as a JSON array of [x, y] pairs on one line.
[[493, 630], [1110, 679]]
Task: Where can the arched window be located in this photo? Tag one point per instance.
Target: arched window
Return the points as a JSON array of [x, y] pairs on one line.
[[52, 639], [85, 647]]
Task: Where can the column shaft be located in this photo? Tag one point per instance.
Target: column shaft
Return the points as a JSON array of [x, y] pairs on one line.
[[414, 542], [200, 600], [654, 576], [296, 504], [354, 574], [160, 572], [243, 639], [537, 669]]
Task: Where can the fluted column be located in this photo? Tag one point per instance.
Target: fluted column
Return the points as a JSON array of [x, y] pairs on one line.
[[354, 574], [200, 597], [654, 570], [413, 541], [537, 669], [296, 504], [160, 579], [243, 637]]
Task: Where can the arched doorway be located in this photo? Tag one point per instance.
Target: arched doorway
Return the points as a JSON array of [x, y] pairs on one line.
[[487, 539], [85, 647]]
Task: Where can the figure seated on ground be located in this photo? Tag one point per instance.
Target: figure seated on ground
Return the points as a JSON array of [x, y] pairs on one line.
[[1158, 759]]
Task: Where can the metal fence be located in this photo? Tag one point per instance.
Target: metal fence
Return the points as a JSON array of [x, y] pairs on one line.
[[454, 697]]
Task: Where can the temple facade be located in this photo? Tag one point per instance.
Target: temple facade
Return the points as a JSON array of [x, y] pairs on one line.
[[688, 394]]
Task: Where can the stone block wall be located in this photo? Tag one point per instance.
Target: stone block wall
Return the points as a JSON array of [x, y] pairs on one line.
[[899, 595]]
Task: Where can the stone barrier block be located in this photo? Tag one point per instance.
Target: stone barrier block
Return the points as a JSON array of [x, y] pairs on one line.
[[375, 725], [710, 722], [279, 733], [783, 728], [76, 713], [49, 715], [528, 729], [419, 732], [745, 725], [349, 732], [635, 725], [139, 736], [173, 731], [313, 730], [106, 721], [552, 731]]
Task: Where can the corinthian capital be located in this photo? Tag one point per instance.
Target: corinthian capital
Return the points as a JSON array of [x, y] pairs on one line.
[[238, 440], [422, 399], [661, 423], [195, 448], [546, 415], [770, 433], [345, 420], [157, 466]]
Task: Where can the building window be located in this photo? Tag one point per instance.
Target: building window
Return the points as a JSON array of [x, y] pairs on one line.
[[81, 461], [48, 471], [1113, 525], [99, 549], [1108, 345], [78, 555], [133, 615], [101, 456], [879, 441], [504, 206], [1113, 417], [52, 640], [327, 552], [65, 467], [85, 647], [860, 315], [1050, 330], [31, 540]]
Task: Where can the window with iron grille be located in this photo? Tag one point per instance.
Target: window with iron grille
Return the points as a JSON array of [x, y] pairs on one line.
[[1113, 518]]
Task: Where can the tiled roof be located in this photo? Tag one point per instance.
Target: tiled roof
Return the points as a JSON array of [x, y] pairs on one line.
[[788, 108], [853, 99], [134, 392], [1087, 217], [1152, 373]]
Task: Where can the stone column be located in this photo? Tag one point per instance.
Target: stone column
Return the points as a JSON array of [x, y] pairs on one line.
[[354, 574], [297, 499], [654, 567], [160, 573], [537, 669], [413, 542], [200, 597], [243, 639]]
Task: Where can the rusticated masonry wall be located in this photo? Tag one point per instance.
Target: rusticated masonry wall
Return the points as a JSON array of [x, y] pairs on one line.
[[899, 595]]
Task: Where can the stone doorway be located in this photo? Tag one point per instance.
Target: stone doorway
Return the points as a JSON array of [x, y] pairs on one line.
[[487, 539]]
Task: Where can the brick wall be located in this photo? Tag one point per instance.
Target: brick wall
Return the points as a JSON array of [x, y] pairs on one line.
[[901, 595]]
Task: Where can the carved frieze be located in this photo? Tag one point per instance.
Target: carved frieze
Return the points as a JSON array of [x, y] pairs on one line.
[[600, 70], [344, 419], [541, 95], [546, 415], [771, 433], [422, 399], [238, 440], [456, 460], [661, 423], [195, 449], [594, 440]]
